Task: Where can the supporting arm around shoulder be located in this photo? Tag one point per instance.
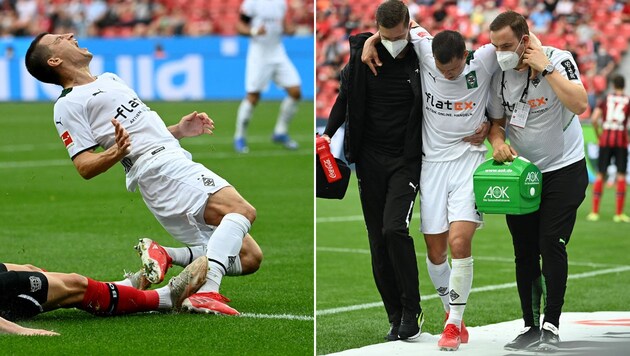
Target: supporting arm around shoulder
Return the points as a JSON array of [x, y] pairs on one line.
[[369, 55]]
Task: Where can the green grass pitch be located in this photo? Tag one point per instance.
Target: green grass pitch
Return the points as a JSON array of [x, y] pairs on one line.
[[54, 219], [599, 270]]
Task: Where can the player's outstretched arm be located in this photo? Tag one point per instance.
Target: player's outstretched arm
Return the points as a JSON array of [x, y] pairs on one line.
[[193, 124], [89, 164], [7, 327]]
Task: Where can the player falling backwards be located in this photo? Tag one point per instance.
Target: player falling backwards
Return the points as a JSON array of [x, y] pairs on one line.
[[196, 206]]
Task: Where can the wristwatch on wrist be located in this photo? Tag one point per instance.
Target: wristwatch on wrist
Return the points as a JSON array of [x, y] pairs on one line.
[[548, 69]]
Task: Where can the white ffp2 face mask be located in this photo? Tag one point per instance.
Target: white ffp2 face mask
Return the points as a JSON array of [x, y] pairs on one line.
[[395, 47], [508, 59]]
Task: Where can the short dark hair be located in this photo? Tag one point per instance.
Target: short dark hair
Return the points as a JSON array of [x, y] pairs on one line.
[[448, 45], [619, 82], [391, 13], [36, 59], [516, 21]]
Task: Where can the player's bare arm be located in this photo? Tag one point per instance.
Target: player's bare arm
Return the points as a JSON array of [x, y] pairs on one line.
[[193, 124], [501, 151], [369, 56], [572, 95], [480, 134], [243, 26], [7, 327], [595, 116], [89, 164]]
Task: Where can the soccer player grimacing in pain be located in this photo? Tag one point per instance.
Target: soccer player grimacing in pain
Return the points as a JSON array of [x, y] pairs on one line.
[[196, 206]]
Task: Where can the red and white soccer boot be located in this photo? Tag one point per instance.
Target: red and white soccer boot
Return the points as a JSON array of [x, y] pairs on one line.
[[450, 339], [208, 303], [155, 260], [463, 331]]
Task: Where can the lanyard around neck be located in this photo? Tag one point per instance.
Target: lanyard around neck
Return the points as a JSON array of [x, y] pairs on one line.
[[524, 95]]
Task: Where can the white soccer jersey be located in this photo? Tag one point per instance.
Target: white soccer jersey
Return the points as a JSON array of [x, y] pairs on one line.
[[267, 59], [83, 116], [270, 14], [453, 109], [552, 136]]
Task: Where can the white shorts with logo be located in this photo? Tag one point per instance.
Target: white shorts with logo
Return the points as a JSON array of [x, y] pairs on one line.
[[259, 72], [176, 190], [446, 193]]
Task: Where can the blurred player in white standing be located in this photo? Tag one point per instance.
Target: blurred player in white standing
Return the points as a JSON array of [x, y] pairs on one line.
[[264, 21], [196, 206]]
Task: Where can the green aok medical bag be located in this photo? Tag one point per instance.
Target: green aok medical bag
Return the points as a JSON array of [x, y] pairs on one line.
[[507, 188]]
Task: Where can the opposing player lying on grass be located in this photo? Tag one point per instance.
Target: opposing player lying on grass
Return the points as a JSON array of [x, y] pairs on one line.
[[26, 291]]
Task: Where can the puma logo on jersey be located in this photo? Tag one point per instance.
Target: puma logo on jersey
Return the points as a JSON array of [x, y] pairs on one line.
[[433, 76], [413, 186], [58, 122], [98, 92]]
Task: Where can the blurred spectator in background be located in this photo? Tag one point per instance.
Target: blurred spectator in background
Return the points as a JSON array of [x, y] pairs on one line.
[[596, 32], [141, 18]]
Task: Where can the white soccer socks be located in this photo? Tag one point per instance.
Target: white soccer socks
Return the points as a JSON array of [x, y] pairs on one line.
[[223, 249], [440, 276], [459, 285], [183, 256], [243, 115], [288, 108]]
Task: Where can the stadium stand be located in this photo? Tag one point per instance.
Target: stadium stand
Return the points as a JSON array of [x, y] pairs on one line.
[[595, 31], [134, 18]]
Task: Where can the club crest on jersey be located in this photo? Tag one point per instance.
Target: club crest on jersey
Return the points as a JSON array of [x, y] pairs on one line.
[[471, 80], [67, 139], [208, 182], [36, 283]]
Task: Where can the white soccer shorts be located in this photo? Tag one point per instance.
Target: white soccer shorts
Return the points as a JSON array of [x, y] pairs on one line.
[[176, 190], [446, 193], [260, 72]]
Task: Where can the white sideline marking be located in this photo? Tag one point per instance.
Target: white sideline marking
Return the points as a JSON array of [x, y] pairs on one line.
[[597, 333], [334, 219], [481, 258], [473, 290], [277, 316], [196, 156]]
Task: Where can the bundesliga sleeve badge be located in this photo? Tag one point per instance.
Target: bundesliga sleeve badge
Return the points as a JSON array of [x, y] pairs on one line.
[[67, 139]]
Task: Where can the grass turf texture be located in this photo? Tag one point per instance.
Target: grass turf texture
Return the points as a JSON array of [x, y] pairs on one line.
[[54, 219], [344, 276]]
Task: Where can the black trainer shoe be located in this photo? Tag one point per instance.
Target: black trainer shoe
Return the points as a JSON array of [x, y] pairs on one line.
[[392, 335], [528, 338], [549, 338], [410, 325]]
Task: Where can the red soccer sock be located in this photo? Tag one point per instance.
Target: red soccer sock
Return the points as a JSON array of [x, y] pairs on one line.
[[597, 194], [621, 195], [110, 299]]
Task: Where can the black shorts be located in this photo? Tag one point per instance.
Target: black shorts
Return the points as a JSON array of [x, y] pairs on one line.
[[22, 294], [605, 159]]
